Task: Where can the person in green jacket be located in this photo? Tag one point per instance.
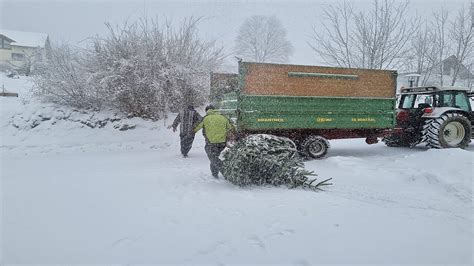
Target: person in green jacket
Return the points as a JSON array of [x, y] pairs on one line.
[[216, 129]]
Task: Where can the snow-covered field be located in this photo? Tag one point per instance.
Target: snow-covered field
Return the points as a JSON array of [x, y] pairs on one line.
[[74, 194]]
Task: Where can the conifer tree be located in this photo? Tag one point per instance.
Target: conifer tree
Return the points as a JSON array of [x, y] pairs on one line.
[[265, 159]]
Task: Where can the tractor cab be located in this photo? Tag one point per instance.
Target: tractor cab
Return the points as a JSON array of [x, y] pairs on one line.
[[418, 103], [419, 107]]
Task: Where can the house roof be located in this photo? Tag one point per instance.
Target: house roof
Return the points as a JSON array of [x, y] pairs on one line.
[[23, 38], [452, 61], [5, 37]]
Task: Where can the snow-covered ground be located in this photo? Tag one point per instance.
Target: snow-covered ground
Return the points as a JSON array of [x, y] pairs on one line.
[[75, 194]]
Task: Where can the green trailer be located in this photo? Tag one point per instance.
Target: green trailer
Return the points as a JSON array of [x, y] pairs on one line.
[[311, 104]]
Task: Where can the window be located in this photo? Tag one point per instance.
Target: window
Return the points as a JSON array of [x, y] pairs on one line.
[[18, 57], [4, 44], [407, 101], [462, 102], [454, 99], [424, 100], [446, 99]]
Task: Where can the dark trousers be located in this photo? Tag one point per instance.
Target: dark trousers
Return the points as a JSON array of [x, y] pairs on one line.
[[213, 151], [186, 143]]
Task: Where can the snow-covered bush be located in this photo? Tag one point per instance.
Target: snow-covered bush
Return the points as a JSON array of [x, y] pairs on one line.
[[143, 69], [63, 79], [265, 159], [44, 116]]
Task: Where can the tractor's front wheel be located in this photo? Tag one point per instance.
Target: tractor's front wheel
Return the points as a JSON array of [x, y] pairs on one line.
[[451, 130]]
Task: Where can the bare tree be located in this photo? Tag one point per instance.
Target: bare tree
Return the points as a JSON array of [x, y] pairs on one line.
[[333, 39], [375, 39], [263, 39], [440, 40], [421, 56], [462, 34]]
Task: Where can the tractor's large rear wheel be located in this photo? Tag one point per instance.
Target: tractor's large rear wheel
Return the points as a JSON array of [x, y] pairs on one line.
[[450, 130]]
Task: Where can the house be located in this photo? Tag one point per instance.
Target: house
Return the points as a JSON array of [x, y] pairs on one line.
[[20, 51], [449, 65]]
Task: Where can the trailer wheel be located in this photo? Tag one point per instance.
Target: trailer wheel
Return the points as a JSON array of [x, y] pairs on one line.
[[315, 147], [451, 130]]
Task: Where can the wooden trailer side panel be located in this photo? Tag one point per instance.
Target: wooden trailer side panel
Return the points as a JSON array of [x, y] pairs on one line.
[[295, 80]]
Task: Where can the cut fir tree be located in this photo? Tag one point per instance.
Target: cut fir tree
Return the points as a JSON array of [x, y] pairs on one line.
[[266, 159]]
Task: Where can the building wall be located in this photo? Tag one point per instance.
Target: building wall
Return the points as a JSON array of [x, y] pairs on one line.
[[5, 51], [5, 55], [16, 56]]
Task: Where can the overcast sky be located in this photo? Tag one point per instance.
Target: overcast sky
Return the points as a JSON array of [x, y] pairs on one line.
[[75, 20]]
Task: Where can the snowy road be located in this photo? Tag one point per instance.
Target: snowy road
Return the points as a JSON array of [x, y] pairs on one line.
[[71, 194], [137, 206]]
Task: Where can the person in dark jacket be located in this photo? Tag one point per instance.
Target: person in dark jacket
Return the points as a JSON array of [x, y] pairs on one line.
[[216, 129], [187, 119]]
